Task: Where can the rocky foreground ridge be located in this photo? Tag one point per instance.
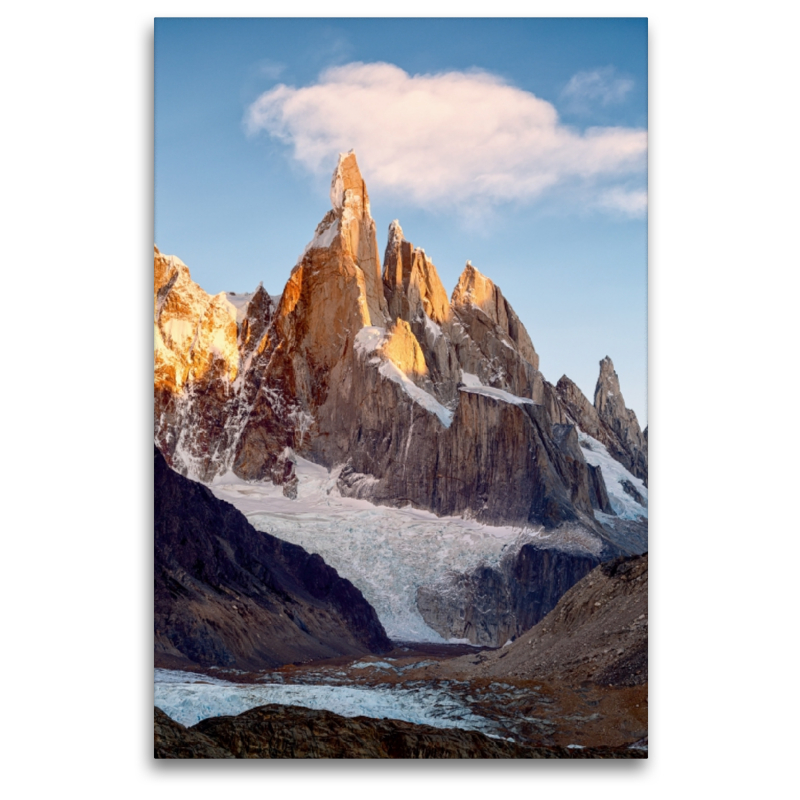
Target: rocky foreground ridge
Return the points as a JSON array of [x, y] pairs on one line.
[[597, 633], [275, 731], [228, 595], [574, 686], [417, 398]]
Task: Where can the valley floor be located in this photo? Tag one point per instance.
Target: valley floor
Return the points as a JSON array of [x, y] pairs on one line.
[[421, 684]]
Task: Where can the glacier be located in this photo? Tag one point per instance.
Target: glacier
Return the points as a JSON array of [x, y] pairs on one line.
[[386, 552]]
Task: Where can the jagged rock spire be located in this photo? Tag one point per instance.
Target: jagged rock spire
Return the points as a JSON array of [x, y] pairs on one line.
[[356, 230], [475, 289], [347, 184], [611, 408], [411, 283]]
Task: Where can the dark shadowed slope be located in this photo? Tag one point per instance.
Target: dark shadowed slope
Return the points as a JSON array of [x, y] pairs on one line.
[[274, 731], [597, 632], [228, 595]]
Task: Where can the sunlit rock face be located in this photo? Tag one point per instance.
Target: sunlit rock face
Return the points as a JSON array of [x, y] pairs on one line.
[[475, 292], [418, 399], [412, 285], [196, 362]]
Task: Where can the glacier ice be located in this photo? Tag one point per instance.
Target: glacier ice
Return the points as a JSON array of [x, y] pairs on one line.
[[386, 552]]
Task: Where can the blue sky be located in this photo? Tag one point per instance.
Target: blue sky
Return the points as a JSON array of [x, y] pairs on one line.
[[517, 144]]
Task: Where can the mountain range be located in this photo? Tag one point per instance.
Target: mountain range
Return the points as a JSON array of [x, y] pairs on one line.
[[414, 398], [364, 372]]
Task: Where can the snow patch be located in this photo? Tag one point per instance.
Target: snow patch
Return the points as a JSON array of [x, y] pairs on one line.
[[419, 396], [179, 332], [370, 339], [337, 184], [468, 379], [431, 328], [497, 394], [614, 474], [240, 303], [188, 698], [322, 238]]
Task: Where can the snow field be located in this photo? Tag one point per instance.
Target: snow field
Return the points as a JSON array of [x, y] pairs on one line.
[[614, 474], [386, 552], [188, 698]]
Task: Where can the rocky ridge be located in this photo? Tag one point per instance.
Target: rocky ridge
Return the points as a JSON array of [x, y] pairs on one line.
[[228, 595], [425, 401], [494, 605], [597, 633], [275, 731], [608, 420]]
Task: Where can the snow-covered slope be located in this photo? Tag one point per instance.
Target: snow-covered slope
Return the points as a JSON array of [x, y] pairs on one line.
[[386, 552], [615, 476]]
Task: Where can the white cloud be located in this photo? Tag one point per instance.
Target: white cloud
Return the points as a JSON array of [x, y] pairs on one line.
[[631, 202], [446, 139], [596, 86]]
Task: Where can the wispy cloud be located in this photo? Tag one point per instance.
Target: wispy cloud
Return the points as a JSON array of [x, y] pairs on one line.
[[448, 139], [598, 86], [630, 202], [267, 68]]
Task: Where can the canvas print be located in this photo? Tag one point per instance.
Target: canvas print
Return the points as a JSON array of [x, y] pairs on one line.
[[400, 388]]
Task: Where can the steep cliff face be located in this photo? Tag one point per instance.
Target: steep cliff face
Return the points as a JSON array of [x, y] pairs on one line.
[[612, 410], [491, 605], [483, 309], [196, 361], [415, 294], [609, 420], [421, 400], [228, 595]]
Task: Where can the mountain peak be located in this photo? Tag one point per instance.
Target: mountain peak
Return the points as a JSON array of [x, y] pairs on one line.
[[607, 385], [347, 179], [473, 288], [411, 283], [607, 366], [476, 290], [611, 408]]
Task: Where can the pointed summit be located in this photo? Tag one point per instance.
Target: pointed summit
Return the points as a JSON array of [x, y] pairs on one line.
[[347, 185], [476, 290], [607, 394], [355, 231], [611, 408], [411, 283], [337, 279]]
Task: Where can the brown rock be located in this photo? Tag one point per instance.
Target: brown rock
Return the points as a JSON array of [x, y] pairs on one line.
[[411, 284], [274, 731], [173, 740], [597, 632], [616, 428], [622, 420], [298, 381], [490, 605], [476, 292]]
